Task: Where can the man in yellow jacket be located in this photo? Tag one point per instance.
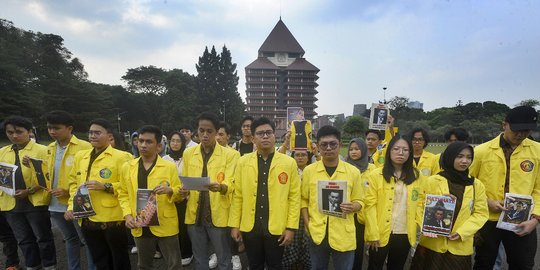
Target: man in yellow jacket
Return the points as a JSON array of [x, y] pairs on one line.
[[151, 172], [509, 164], [329, 234], [26, 211], [100, 170], [427, 163], [207, 212], [60, 157], [266, 200]]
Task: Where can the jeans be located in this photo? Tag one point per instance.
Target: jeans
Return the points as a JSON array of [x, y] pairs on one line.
[[9, 242], [73, 239], [320, 256], [34, 236], [201, 236], [169, 246]]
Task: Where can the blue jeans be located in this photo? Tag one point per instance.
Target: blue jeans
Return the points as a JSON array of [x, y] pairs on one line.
[[320, 255], [201, 236], [73, 239], [34, 236]]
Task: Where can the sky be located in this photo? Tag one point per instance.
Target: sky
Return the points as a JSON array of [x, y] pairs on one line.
[[433, 51]]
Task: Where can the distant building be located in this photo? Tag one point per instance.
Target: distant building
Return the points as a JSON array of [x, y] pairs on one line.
[[279, 78], [359, 109], [415, 105]]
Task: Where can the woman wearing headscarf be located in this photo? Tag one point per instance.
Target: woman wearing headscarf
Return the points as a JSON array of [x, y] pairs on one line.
[[358, 155], [454, 251], [134, 142]]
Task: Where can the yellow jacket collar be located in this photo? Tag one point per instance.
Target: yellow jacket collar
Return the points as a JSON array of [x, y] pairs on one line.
[[340, 166]]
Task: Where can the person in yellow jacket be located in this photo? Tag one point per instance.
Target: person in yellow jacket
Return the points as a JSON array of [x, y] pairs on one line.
[[151, 172], [455, 251], [509, 163], [330, 235], [391, 199], [207, 212], [427, 163], [450, 136], [357, 155], [26, 210], [266, 199], [60, 157], [100, 170]]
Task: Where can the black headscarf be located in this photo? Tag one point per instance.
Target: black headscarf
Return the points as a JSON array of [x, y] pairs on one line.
[[362, 163], [447, 164], [176, 155]]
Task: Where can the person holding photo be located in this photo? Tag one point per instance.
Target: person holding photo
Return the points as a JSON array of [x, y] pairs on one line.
[[390, 205], [455, 251], [330, 235]]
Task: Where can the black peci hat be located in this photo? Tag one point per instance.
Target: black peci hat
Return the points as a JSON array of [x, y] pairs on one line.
[[522, 118]]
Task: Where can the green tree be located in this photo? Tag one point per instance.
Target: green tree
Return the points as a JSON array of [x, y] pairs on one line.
[[208, 86], [354, 126], [233, 106], [529, 102]]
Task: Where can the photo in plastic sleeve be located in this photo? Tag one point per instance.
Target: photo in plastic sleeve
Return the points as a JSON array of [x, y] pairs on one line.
[[7, 178], [294, 114], [147, 209], [438, 214], [300, 135], [331, 195], [40, 168], [519, 209], [378, 118], [82, 203]]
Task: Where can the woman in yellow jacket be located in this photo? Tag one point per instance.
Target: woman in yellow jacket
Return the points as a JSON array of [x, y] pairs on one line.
[[357, 155], [390, 206], [454, 252]]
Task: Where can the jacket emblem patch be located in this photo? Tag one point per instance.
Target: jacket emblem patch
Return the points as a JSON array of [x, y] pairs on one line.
[[220, 177], [105, 173], [283, 178], [526, 166]]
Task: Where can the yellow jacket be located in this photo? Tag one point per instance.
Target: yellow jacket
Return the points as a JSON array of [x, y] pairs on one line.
[[74, 146], [379, 204], [472, 216], [361, 216], [428, 164], [379, 155], [7, 155], [283, 194], [107, 168], [341, 231], [221, 170], [163, 173], [489, 166]]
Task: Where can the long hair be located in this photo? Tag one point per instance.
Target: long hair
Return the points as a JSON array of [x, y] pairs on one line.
[[411, 173]]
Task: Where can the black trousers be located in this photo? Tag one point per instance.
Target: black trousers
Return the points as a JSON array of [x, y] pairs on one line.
[[9, 242], [108, 247], [183, 237], [262, 249], [359, 252], [397, 251], [520, 251]]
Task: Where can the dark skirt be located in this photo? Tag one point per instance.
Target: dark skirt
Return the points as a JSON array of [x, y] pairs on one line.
[[425, 258], [296, 255]]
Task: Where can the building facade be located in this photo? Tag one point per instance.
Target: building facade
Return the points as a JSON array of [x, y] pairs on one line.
[[279, 78]]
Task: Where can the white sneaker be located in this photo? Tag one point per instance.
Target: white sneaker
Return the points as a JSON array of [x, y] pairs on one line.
[[157, 255], [212, 262], [187, 261], [134, 250], [236, 263]]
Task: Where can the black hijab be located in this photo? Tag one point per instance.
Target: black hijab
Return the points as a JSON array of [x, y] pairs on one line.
[[447, 164], [362, 163]]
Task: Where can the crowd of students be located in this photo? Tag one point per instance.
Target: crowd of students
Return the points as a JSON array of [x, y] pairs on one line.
[[264, 200]]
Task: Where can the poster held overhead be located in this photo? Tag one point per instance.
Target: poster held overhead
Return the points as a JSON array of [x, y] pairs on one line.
[[378, 118]]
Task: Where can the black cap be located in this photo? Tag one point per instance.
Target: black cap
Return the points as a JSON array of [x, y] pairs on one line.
[[522, 118]]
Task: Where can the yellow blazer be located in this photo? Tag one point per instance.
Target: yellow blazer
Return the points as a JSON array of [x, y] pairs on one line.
[[74, 146], [107, 168], [379, 204], [341, 231], [361, 216], [283, 194], [7, 155], [472, 216], [221, 170], [163, 173], [428, 164], [489, 166]]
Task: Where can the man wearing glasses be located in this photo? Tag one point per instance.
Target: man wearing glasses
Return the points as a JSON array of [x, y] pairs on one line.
[[266, 200], [330, 234]]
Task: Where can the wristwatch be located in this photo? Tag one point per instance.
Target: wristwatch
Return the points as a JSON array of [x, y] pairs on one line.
[[31, 190], [108, 187]]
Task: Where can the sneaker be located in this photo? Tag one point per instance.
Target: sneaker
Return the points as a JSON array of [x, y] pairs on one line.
[[134, 250], [187, 260], [236, 263], [157, 255], [212, 262]]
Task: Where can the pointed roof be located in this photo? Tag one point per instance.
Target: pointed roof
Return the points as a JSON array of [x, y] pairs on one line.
[[281, 40], [302, 64], [261, 63]]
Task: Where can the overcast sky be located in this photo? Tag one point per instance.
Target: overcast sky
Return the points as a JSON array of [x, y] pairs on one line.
[[436, 52]]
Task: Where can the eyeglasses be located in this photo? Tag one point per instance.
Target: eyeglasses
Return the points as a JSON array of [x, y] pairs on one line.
[[399, 149], [96, 133], [418, 140], [324, 145], [268, 133]]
